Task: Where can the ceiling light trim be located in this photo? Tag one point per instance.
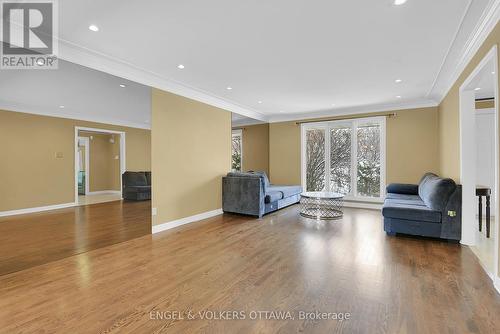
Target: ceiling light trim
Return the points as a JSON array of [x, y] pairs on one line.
[[481, 31], [111, 65], [424, 103]]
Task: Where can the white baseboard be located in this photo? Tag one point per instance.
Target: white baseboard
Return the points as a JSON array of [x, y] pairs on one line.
[[186, 220], [37, 209], [363, 205], [102, 192]]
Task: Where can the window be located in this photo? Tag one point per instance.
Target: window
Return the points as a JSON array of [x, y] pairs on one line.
[[236, 150], [347, 157]]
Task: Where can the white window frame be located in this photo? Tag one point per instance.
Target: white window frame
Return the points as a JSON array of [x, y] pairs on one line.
[[326, 126], [237, 133]]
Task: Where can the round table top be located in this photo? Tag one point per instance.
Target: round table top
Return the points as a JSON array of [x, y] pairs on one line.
[[322, 194]]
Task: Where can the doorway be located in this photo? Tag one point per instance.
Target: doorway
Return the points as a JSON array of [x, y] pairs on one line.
[[99, 165], [479, 160]]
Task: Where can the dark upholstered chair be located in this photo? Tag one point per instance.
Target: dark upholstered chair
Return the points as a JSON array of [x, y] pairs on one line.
[[136, 186], [433, 208]]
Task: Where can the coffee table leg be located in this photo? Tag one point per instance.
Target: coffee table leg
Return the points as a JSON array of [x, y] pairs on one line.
[[480, 213], [487, 216]]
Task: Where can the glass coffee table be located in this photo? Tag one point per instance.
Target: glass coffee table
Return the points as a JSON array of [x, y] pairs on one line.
[[321, 205]]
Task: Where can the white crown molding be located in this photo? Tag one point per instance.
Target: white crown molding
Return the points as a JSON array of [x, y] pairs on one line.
[[111, 65], [446, 79], [354, 111], [191, 219], [36, 209], [49, 111], [247, 122]]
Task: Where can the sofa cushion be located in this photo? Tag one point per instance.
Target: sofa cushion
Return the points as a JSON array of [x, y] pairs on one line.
[[435, 191], [410, 201], [411, 212], [148, 178], [138, 189], [287, 191], [403, 188], [272, 196], [264, 176]]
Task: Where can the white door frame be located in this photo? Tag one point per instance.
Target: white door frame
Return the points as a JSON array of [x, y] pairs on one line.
[[86, 144], [468, 159], [123, 167]]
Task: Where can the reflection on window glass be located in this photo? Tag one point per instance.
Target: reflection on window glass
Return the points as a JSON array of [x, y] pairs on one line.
[[368, 162], [315, 160], [340, 159], [236, 153]]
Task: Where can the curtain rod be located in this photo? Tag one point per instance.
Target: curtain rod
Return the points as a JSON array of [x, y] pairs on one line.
[[392, 114]]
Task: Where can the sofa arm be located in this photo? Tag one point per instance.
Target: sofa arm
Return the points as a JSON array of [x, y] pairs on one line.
[[402, 188], [451, 225], [244, 195]]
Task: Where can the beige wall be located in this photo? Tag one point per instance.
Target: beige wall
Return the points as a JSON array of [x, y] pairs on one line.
[[412, 147], [485, 104], [37, 158], [256, 147], [104, 171], [449, 126], [191, 151]]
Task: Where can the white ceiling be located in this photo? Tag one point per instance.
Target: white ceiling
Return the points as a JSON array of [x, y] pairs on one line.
[[299, 58], [85, 93], [240, 120]]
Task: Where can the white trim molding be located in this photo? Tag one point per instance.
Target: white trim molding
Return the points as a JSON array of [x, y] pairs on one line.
[[187, 220], [447, 77], [83, 56], [356, 110], [36, 209], [104, 192]]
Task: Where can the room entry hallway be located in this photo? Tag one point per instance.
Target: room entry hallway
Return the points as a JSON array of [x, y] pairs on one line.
[[236, 263], [34, 239]]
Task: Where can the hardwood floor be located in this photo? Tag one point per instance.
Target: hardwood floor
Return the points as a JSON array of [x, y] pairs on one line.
[[30, 240], [279, 263]]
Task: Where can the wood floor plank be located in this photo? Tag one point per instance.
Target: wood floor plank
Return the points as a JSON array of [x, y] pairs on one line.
[[279, 263], [33, 239]]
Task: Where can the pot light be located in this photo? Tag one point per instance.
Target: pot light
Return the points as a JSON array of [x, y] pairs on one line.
[[477, 88], [399, 2], [61, 107], [493, 72], [122, 86], [259, 102], [398, 96], [398, 81], [281, 111], [229, 88], [180, 67], [94, 28]]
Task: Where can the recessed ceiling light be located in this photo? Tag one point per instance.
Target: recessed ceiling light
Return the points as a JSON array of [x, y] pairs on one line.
[[477, 88], [62, 107], [399, 2], [398, 80], [259, 102], [493, 72], [281, 111], [122, 86], [398, 96], [229, 88], [180, 67], [94, 28]]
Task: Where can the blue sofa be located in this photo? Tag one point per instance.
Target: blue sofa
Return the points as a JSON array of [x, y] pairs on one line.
[[251, 194], [433, 208]]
